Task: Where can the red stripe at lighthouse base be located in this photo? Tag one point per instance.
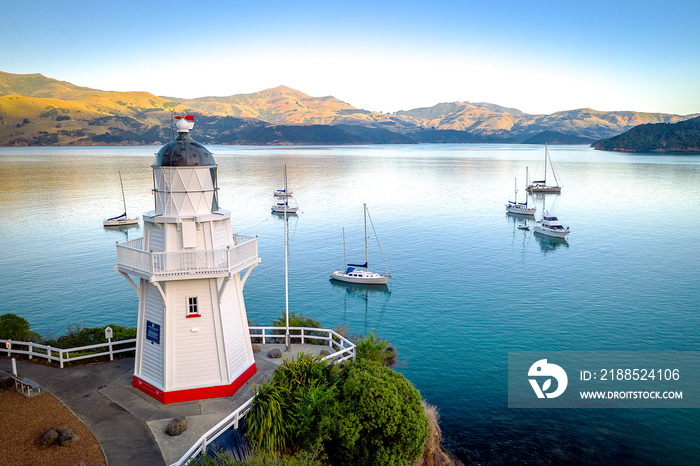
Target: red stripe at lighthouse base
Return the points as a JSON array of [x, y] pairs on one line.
[[202, 393]]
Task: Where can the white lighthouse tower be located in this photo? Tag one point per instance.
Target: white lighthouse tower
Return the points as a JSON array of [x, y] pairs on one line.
[[192, 340]]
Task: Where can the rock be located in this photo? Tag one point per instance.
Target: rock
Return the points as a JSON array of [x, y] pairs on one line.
[[324, 352], [66, 437], [49, 437], [176, 426], [274, 353], [256, 349]]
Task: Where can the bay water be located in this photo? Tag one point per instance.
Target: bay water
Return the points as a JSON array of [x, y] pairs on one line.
[[467, 285]]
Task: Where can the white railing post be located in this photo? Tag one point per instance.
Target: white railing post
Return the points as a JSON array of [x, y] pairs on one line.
[[60, 357], [30, 349], [111, 354]]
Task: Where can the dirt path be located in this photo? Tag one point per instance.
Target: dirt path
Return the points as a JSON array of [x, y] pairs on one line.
[[24, 420]]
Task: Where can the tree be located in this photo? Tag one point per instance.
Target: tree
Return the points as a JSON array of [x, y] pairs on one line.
[[13, 327]]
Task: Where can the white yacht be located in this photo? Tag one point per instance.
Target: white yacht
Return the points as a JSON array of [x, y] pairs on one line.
[[359, 273], [520, 208], [541, 186], [282, 193], [551, 226], [282, 206], [121, 220]]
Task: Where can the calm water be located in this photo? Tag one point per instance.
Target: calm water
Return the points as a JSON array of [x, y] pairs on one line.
[[467, 286]]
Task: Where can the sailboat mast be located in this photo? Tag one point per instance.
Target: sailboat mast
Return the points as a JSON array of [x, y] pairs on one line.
[[345, 259], [546, 156], [285, 178], [122, 185], [364, 206], [527, 177], [515, 195]]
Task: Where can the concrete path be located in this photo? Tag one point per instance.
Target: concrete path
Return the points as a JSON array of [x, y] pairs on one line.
[[129, 425]]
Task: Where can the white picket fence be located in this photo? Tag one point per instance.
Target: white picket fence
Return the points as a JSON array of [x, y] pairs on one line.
[[345, 349], [63, 356]]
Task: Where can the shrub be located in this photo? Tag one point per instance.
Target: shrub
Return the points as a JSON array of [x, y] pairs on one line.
[[268, 425], [292, 412], [380, 419], [227, 458], [77, 336], [14, 327], [300, 320], [360, 413], [375, 349]]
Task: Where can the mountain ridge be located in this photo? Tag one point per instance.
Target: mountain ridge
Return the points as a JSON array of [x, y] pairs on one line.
[[35, 109]]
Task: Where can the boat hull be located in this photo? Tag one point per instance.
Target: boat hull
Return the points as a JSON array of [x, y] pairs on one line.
[[362, 278], [521, 210], [554, 233], [543, 189], [289, 210], [121, 223]]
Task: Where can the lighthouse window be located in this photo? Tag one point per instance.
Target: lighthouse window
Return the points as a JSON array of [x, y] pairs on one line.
[[192, 307]]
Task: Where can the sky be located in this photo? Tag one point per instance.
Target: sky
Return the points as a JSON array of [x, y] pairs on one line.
[[539, 57]]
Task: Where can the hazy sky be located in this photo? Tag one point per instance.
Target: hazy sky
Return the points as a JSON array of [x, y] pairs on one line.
[[536, 56]]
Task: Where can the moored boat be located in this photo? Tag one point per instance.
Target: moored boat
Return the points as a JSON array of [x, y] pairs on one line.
[[282, 193], [551, 226], [541, 186], [121, 220], [520, 208], [283, 207], [360, 274]]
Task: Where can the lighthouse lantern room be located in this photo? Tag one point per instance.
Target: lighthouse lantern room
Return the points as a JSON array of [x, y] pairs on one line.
[[189, 270]]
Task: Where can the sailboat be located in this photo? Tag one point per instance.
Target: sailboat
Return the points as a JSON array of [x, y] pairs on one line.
[[121, 220], [520, 208], [282, 206], [360, 274], [541, 186]]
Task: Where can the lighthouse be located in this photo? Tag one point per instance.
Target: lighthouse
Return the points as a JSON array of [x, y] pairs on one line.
[[188, 271]]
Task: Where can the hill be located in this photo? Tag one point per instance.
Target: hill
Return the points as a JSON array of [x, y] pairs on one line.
[[37, 85], [35, 109], [554, 137], [682, 137]]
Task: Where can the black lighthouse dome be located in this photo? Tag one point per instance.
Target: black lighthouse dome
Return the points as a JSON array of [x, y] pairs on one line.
[[184, 151]]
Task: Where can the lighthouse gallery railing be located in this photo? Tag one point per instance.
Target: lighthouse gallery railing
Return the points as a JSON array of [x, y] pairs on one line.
[[131, 258]]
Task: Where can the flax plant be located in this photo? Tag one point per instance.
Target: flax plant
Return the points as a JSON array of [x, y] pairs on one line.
[[268, 429]]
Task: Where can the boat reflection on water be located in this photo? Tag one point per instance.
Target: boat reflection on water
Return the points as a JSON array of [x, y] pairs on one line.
[[122, 231], [550, 243], [355, 292]]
